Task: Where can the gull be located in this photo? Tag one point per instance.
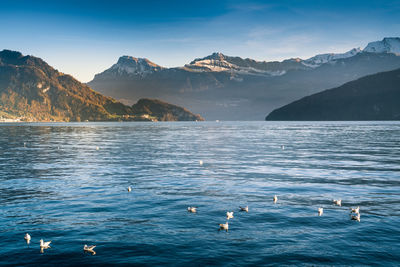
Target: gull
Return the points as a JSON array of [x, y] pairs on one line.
[[44, 245], [192, 209], [224, 226], [27, 237], [97, 148], [200, 162], [355, 210], [337, 202], [320, 211], [229, 215], [90, 249], [283, 147], [246, 209], [129, 189], [275, 198], [356, 217]]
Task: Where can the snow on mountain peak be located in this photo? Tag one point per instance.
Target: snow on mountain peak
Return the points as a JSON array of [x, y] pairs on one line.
[[133, 65], [213, 56], [217, 56], [387, 45], [213, 62], [325, 58], [218, 62]]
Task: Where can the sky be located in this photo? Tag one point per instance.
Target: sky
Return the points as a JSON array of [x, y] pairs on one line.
[[83, 38]]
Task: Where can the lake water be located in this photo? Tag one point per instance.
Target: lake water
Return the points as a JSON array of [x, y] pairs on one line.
[[55, 185]]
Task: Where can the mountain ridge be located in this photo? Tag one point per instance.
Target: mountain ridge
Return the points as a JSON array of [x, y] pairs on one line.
[[218, 61], [222, 87], [373, 97], [32, 90], [387, 45]]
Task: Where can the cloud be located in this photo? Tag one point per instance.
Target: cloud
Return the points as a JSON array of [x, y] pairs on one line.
[[262, 32], [249, 7]]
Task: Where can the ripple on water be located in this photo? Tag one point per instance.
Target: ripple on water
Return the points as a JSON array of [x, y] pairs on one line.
[[59, 187]]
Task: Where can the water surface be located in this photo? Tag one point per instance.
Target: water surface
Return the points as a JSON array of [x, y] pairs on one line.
[[56, 185]]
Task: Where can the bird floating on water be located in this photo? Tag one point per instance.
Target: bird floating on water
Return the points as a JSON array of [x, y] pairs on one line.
[[355, 210], [192, 209], [90, 249], [224, 226], [320, 211], [229, 215], [129, 189], [27, 237], [337, 202], [246, 209], [356, 217], [275, 198], [200, 162], [44, 245]]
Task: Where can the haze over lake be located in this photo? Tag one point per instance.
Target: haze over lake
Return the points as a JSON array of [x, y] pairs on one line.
[[55, 185]]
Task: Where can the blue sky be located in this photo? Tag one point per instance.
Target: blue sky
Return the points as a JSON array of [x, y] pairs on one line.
[[83, 38]]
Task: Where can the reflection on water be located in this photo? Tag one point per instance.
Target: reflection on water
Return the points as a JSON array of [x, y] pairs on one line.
[[55, 185]]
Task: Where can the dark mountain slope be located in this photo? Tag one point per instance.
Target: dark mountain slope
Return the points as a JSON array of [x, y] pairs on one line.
[[163, 111], [373, 97]]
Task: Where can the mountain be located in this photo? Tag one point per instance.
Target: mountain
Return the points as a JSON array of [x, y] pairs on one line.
[[31, 90], [232, 88], [218, 62], [387, 45], [373, 97], [163, 111], [127, 65], [317, 60]]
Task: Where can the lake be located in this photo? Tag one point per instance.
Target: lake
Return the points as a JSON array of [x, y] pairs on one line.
[[67, 182]]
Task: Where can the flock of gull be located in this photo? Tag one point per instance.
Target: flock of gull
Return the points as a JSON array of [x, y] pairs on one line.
[[354, 212], [354, 215], [46, 245]]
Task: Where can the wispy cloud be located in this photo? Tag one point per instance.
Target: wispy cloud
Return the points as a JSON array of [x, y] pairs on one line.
[[260, 32], [280, 48], [251, 6]]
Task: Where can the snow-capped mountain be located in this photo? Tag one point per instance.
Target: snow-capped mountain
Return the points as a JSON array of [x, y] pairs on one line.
[[137, 66], [218, 62], [325, 58], [214, 62], [387, 45], [234, 88]]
